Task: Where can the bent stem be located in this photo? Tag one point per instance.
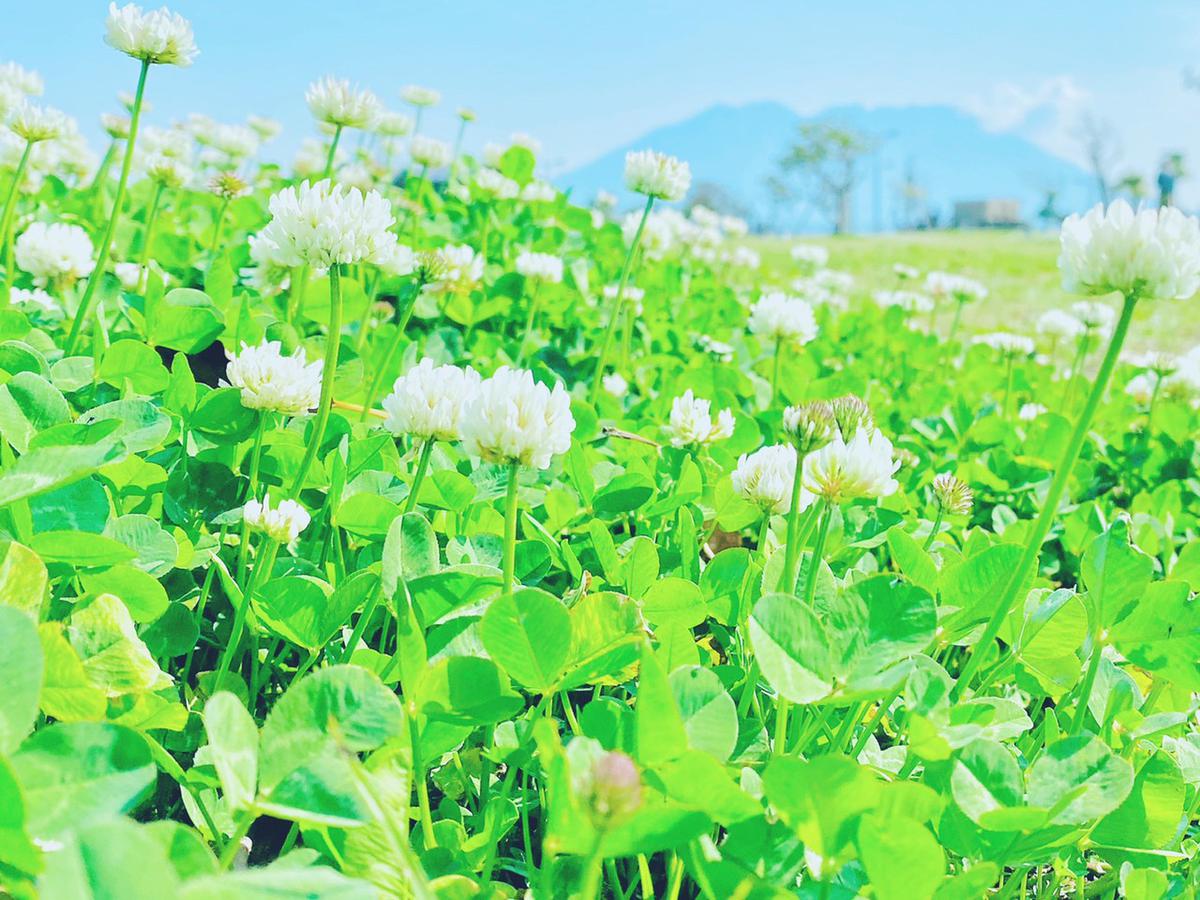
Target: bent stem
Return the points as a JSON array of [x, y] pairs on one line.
[[1058, 486], [614, 317], [510, 529], [106, 241], [328, 371], [422, 468]]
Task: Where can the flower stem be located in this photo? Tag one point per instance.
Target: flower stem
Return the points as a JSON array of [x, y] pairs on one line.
[[775, 371], [606, 343], [1058, 486], [151, 220], [958, 308], [106, 241], [810, 586], [10, 204], [216, 238], [937, 523], [529, 322], [791, 556], [1089, 677], [422, 468], [327, 375], [261, 567], [251, 491], [386, 365], [333, 145], [510, 530], [1008, 383]]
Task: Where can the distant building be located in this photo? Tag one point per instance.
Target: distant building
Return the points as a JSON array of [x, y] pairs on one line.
[[988, 214]]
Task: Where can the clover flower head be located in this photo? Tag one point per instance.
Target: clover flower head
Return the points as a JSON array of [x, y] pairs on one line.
[[953, 495], [321, 225], [427, 401], [268, 380], [56, 252], [765, 478], [282, 523], [781, 317], [691, 423], [540, 266], [158, 36], [512, 419], [335, 102], [654, 174]]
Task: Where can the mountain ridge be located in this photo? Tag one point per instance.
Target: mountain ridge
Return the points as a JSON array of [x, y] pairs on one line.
[[948, 151]]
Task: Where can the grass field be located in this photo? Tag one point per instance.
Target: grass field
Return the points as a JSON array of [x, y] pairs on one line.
[[1019, 268]]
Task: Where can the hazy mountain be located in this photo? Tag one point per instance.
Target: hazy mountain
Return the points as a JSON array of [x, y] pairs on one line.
[[949, 154]]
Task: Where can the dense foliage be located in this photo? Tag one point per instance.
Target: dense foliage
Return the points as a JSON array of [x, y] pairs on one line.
[[251, 651]]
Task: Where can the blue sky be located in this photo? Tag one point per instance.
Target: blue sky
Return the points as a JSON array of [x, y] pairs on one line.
[[585, 77]]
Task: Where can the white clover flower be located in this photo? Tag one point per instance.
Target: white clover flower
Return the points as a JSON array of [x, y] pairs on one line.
[[1030, 411], [538, 192], [604, 201], [718, 349], [530, 143], [691, 424], [166, 170], [129, 274], [159, 36], [466, 113], [427, 401], [429, 152], [26, 81], [266, 128], [944, 285], [765, 478], [393, 124], [492, 154], [1095, 316], [1141, 387], [633, 296], [657, 175], [909, 301], [734, 226], [615, 384], [512, 419], [906, 272], [492, 185], [37, 123], [320, 225], [813, 254], [269, 380], [1151, 253], [743, 258], [34, 300], [173, 142], [1006, 342], [237, 142], [460, 268], [395, 258], [116, 126], [55, 253], [862, 467], [283, 523], [779, 317], [334, 102], [952, 494], [420, 96], [10, 98], [1058, 323], [540, 266]]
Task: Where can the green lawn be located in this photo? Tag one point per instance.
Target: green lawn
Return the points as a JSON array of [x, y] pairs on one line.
[[1019, 269]]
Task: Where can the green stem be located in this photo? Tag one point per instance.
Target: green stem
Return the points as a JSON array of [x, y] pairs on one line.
[[483, 233], [1058, 487], [10, 205], [151, 219], [386, 365], [106, 241], [529, 321], [422, 468], [781, 727], [333, 145], [261, 567], [791, 558], [251, 490], [614, 318], [1089, 677], [1008, 383], [958, 308], [810, 587], [327, 375], [216, 238], [937, 524], [775, 371], [510, 529]]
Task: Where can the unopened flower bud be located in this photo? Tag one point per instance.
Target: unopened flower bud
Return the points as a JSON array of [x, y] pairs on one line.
[[809, 426], [952, 495], [851, 413], [616, 790]]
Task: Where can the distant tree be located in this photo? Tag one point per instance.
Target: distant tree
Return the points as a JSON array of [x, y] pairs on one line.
[[1133, 185], [824, 161], [717, 198], [913, 198], [1171, 170], [1099, 142]]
